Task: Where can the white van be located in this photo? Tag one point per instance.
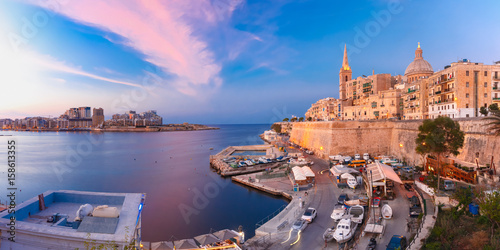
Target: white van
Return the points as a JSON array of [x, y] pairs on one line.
[[366, 156], [357, 157]]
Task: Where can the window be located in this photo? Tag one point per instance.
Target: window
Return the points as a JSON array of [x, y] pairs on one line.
[[485, 105], [467, 95], [486, 73], [453, 106], [485, 95], [467, 106], [467, 84], [438, 108], [467, 73], [467, 115], [485, 84]]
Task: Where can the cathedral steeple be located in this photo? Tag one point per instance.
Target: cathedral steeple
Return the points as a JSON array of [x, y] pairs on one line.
[[345, 62], [345, 75]]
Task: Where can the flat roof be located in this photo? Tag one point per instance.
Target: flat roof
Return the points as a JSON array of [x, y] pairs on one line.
[[29, 218]]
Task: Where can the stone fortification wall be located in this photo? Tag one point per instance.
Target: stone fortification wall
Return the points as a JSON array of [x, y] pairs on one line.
[[395, 138]]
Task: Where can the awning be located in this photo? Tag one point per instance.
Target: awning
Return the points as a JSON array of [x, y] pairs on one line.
[[206, 239], [308, 172], [298, 174], [226, 234], [162, 245], [185, 244], [380, 171]]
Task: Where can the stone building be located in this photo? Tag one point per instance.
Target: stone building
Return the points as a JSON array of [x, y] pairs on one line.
[[97, 117]]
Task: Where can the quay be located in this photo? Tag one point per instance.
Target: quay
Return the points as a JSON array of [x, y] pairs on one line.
[[219, 162]]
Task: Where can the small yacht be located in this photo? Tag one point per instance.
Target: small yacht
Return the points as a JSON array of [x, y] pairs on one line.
[[338, 212], [386, 211], [344, 230]]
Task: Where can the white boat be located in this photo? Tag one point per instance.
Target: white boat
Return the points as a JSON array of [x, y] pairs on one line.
[[344, 230], [356, 213], [386, 211], [351, 180], [328, 235], [338, 212], [249, 162]]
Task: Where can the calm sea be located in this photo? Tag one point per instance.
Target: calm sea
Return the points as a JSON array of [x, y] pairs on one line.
[[184, 198]]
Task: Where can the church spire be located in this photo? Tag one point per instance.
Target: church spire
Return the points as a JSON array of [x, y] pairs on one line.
[[345, 62]]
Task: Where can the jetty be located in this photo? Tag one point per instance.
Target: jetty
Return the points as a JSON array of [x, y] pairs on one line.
[[221, 161]]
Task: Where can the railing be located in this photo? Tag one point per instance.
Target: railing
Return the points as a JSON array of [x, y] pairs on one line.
[[495, 88], [437, 92], [411, 90], [496, 99], [413, 98], [496, 77], [269, 217]]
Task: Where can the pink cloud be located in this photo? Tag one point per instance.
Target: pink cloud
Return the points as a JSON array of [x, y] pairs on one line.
[[159, 30]]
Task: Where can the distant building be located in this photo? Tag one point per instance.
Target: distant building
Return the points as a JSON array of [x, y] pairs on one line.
[[131, 118], [97, 117], [270, 135]]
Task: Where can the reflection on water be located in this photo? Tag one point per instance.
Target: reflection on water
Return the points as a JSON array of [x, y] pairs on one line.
[[184, 198]]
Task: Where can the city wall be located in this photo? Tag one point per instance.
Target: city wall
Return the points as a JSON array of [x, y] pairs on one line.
[[396, 138]]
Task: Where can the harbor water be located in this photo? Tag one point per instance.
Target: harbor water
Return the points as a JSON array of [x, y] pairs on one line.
[[184, 197]]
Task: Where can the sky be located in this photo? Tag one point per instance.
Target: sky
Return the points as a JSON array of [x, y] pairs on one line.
[[221, 61]]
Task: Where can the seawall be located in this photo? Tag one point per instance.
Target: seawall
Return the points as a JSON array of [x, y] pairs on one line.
[[386, 137]]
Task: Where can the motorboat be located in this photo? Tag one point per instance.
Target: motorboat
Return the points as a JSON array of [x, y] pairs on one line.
[[242, 164], [249, 162], [386, 211], [356, 213], [351, 180], [345, 230], [347, 158], [328, 235], [338, 212]]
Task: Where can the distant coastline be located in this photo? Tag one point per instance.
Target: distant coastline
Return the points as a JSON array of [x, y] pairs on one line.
[[163, 128]]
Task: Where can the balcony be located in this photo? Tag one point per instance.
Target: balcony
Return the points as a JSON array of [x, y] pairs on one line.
[[437, 92], [382, 105], [496, 77], [411, 90], [448, 90], [496, 99], [366, 90], [413, 98], [495, 88]]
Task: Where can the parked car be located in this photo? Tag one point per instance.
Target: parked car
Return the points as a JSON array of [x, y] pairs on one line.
[[357, 157], [449, 185], [366, 156], [299, 225], [342, 198], [397, 242], [309, 215], [415, 211]]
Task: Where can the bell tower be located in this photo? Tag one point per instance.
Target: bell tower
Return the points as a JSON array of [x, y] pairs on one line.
[[345, 75]]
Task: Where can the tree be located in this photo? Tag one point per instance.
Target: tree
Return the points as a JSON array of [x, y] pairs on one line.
[[301, 119], [294, 119], [286, 119], [276, 127], [309, 118], [489, 205], [493, 107], [439, 137], [483, 111], [494, 124]]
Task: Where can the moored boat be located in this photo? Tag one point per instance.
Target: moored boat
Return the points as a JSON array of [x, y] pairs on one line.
[[344, 230], [356, 213], [386, 211]]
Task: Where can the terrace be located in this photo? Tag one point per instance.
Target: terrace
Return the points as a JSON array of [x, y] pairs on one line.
[[49, 220]]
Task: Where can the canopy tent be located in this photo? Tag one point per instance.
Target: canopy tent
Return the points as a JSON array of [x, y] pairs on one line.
[[162, 245], [308, 172], [298, 174], [206, 239], [226, 234], [185, 244], [337, 170], [378, 174]]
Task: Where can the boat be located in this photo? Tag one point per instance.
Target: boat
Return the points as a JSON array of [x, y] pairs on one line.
[[242, 164], [386, 211], [328, 235], [356, 213], [249, 162], [338, 212], [363, 201], [351, 180], [344, 230]]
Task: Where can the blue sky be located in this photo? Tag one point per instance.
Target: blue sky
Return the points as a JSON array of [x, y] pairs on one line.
[[221, 61]]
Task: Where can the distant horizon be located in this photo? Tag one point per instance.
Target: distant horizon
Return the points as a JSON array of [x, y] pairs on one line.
[[243, 62]]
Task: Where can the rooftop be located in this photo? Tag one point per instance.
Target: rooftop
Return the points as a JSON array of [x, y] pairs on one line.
[[65, 204]]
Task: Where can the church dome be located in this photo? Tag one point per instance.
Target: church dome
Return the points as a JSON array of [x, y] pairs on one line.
[[419, 65]]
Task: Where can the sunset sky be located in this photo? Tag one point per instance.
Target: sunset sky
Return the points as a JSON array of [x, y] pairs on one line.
[[221, 61]]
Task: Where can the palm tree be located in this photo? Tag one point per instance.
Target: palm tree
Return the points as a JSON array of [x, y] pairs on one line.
[[494, 123]]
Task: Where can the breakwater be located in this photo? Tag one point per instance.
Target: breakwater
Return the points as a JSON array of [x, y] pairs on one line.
[[386, 137]]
